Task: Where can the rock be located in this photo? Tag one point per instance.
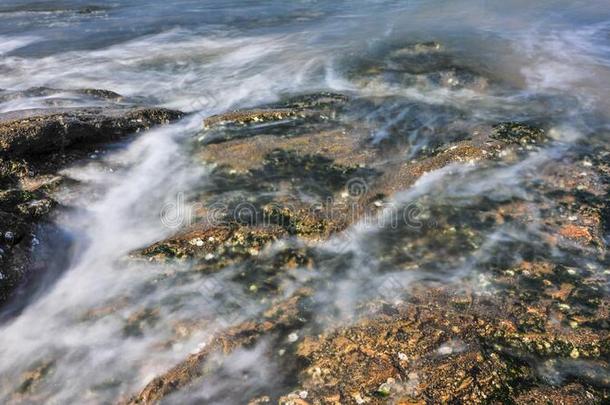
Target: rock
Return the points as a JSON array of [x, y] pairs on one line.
[[137, 322], [281, 316], [310, 184], [52, 93], [34, 132], [358, 358], [518, 133], [291, 117], [248, 117], [91, 9], [33, 377], [15, 231], [474, 340], [34, 146], [573, 393], [225, 242], [249, 154], [424, 65]]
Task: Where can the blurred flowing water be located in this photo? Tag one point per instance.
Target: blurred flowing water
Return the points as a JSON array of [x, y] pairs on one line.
[[552, 58]]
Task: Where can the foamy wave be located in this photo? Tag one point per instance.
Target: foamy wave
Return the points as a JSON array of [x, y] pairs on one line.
[[9, 44], [575, 61]]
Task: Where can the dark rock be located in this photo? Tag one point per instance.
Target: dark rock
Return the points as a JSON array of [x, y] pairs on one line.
[[91, 9], [520, 133], [34, 145], [34, 132], [6, 95]]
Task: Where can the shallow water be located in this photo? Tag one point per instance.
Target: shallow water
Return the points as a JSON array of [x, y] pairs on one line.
[[547, 62]]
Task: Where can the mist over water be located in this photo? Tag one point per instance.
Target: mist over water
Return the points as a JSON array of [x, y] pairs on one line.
[[547, 62]]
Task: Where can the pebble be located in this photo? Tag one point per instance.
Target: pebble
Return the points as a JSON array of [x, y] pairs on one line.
[[303, 394], [574, 353], [445, 350], [9, 236], [358, 398], [209, 256], [293, 337]]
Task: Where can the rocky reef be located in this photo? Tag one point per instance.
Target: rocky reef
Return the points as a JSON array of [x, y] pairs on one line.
[[445, 259], [528, 310]]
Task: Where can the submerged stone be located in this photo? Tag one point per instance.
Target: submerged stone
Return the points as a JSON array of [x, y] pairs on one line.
[[292, 117], [518, 133]]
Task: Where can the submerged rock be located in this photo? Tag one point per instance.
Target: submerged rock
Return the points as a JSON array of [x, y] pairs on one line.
[[282, 316], [518, 133], [479, 339], [290, 117], [312, 183], [436, 347], [424, 65]]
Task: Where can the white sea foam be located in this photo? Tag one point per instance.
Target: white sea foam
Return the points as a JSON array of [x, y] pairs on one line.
[[9, 44]]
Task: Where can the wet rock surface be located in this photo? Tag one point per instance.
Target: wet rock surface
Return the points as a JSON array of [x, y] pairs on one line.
[[34, 146], [527, 325], [33, 132]]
